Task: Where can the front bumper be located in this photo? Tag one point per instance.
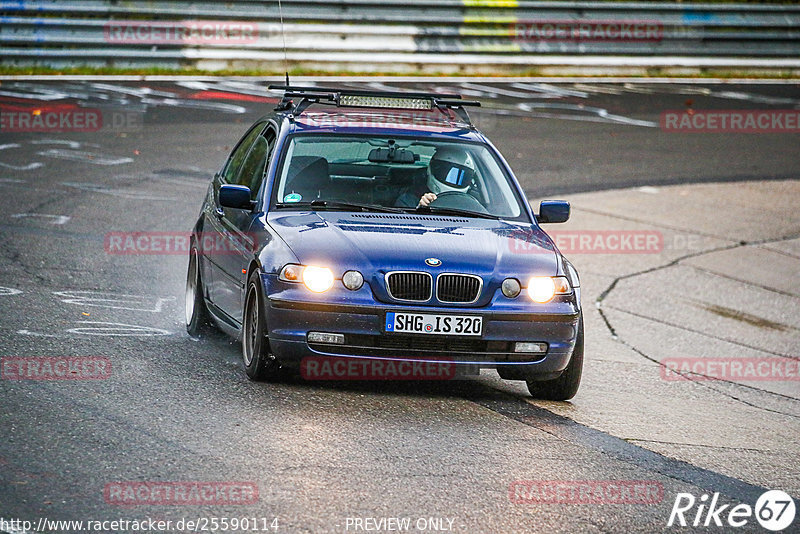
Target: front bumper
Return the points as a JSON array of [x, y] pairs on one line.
[[293, 313]]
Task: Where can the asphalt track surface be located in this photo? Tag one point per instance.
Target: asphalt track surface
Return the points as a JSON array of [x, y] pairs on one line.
[[181, 409]]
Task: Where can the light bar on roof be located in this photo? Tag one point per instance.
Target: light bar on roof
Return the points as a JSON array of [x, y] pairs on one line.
[[364, 101]]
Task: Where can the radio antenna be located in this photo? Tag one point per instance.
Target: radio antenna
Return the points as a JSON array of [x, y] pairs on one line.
[[283, 35]]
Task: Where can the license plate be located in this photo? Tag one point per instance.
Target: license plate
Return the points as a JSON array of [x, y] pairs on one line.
[[424, 323]]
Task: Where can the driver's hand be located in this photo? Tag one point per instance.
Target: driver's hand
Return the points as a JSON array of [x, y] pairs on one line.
[[426, 200]]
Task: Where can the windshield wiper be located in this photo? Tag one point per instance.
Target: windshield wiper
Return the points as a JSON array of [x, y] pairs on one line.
[[335, 204], [436, 210]]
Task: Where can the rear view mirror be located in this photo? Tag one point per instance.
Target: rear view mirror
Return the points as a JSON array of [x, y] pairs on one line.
[[392, 155], [235, 196], [553, 211]]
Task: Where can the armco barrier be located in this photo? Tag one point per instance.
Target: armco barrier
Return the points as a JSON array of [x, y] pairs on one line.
[[370, 35]]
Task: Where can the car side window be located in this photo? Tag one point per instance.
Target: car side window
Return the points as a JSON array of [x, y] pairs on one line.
[[232, 167], [255, 165]]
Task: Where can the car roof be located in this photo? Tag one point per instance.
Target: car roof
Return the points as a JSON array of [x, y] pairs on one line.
[[355, 121]]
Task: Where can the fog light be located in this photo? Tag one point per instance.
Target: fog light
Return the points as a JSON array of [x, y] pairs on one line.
[[353, 280], [530, 346], [326, 337], [511, 287]]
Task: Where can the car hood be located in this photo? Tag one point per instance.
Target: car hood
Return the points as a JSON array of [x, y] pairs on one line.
[[377, 243]]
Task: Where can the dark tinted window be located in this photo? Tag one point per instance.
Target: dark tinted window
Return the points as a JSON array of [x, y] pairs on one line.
[[255, 165], [234, 164]]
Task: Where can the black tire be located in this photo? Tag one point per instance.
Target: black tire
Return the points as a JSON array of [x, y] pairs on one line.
[[198, 321], [259, 363], [565, 386]]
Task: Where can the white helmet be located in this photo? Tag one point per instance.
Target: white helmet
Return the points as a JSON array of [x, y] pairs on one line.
[[450, 170]]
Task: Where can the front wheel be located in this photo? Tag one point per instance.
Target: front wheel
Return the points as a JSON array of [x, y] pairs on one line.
[[259, 362], [566, 385], [197, 319]]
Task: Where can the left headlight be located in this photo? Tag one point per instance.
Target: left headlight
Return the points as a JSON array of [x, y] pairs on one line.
[[316, 279], [543, 288]]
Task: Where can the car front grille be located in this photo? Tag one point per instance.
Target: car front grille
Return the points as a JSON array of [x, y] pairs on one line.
[[458, 288], [409, 286], [421, 347], [431, 344]]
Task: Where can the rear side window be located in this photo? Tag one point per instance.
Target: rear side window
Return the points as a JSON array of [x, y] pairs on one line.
[[237, 157], [255, 165]]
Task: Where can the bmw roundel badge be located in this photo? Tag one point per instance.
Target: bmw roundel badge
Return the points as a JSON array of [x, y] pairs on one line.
[[433, 262]]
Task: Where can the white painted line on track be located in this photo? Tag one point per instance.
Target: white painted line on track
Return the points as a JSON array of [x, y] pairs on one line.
[[6, 291], [105, 299], [28, 167], [55, 219], [71, 144], [102, 328], [105, 190], [85, 157]]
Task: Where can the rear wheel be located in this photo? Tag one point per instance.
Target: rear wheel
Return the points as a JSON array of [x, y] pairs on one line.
[[259, 362], [566, 385], [197, 319]]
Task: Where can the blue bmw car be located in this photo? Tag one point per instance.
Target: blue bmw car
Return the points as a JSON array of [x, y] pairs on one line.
[[381, 227]]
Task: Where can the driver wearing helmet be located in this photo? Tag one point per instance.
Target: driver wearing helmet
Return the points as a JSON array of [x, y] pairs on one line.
[[449, 171]]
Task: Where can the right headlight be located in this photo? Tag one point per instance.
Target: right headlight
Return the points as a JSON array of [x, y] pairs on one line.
[[316, 279]]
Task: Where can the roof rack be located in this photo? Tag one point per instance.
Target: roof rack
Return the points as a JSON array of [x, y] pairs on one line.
[[371, 98]]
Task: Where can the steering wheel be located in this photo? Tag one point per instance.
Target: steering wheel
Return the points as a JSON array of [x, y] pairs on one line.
[[458, 200]]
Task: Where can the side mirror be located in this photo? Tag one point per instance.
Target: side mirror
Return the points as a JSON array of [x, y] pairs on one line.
[[553, 211], [235, 196]]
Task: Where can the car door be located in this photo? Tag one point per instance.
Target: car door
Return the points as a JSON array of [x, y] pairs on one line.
[[214, 241], [240, 242]]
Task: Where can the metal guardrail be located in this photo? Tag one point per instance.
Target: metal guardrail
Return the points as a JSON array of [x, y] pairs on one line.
[[371, 35]]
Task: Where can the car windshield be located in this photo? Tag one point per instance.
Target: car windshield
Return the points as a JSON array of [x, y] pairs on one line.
[[383, 172]]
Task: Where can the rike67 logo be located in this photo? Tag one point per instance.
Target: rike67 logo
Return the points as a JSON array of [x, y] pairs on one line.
[[774, 510]]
